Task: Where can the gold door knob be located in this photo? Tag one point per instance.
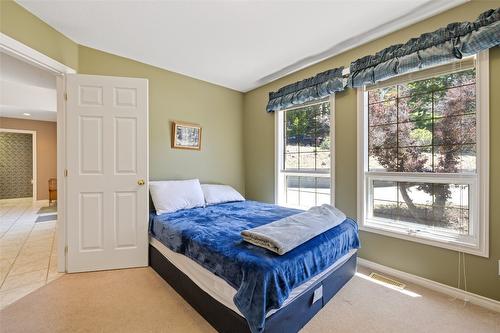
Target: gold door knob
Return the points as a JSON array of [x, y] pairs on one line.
[[140, 182]]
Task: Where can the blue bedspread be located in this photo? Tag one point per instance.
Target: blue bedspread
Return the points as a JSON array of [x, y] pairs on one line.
[[263, 280]]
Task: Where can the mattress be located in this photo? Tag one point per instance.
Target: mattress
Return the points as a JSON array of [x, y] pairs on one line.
[[219, 289], [263, 280]]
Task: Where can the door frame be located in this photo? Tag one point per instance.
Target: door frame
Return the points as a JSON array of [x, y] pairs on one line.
[[23, 52], [33, 144]]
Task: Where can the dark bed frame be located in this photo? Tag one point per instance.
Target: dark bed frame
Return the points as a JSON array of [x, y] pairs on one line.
[[289, 319]]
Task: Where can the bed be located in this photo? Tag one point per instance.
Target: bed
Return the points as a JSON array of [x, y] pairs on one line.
[[239, 287]]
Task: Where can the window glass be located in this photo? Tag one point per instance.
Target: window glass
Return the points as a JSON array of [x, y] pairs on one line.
[[307, 191], [433, 205], [424, 126], [306, 163], [307, 138], [420, 177]]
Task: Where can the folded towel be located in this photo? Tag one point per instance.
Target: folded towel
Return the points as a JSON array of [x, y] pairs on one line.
[[286, 234]]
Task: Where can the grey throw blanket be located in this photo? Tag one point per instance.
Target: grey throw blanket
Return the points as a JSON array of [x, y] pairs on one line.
[[286, 234]]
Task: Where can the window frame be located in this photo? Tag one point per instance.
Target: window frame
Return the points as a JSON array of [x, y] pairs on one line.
[[478, 243], [280, 173]]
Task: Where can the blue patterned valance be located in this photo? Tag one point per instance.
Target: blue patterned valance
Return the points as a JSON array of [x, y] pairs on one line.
[[313, 88], [453, 42]]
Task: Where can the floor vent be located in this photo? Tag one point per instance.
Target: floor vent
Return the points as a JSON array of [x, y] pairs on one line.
[[387, 280]]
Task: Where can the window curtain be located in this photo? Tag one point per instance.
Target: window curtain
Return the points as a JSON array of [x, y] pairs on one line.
[[314, 88], [443, 45]]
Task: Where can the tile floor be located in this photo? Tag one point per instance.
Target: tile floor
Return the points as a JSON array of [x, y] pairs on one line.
[[28, 251]]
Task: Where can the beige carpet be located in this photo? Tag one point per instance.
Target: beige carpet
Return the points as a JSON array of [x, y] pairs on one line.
[[138, 300]]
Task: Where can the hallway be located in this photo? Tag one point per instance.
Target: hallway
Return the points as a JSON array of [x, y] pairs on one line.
[[28, 249]]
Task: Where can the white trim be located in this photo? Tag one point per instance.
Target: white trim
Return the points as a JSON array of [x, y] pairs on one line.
[[38, 59], [485, 302], [424, 238], [14, 200], [478, 181], [333, 141], [21, 51], [278, 153], [483, 150], [362, 163], [34, 156], [61, 178]]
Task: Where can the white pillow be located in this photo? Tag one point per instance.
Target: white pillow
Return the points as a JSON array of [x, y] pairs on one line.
[[215, 194], [173, 195]]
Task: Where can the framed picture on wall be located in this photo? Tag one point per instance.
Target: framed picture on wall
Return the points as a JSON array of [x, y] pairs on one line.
[[186, 135]]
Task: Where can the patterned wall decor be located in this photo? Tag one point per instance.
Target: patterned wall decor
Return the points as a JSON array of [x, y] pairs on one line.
[[16, 165]]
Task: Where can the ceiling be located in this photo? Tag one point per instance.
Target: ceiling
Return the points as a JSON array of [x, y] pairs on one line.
[[26, 89], [236, 44]]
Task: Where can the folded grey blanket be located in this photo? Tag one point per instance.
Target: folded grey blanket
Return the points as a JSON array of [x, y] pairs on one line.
[[286, 234]]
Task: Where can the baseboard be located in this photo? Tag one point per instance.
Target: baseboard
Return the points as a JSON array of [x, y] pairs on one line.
[[485, 302], [15, 199]]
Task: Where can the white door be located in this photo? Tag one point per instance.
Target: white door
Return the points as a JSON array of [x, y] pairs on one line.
[[107, 163]]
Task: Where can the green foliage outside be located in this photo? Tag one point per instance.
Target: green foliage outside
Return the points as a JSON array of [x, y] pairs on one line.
[[429, 112]]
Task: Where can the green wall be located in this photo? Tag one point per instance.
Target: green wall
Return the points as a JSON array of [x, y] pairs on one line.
[[171, 97], [427, 261], [176, 97], [21, 25]]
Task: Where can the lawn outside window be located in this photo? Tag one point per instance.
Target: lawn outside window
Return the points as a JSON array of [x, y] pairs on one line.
[[423, 156]]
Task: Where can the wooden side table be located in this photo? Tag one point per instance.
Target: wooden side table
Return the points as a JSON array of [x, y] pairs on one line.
[[52, 190]]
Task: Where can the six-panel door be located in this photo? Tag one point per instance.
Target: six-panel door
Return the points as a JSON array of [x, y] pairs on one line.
[[107, 159]]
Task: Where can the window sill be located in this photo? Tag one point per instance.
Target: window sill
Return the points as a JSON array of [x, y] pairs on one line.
[[292, 206], [426, 238]]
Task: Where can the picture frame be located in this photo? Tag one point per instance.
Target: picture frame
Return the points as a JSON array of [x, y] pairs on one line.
[[186, 135]]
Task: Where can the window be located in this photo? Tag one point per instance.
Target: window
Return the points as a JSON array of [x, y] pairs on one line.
[[304, 155], [423, 156]]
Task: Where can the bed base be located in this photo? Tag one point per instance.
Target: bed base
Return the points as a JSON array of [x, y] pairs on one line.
[[289, 319]]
